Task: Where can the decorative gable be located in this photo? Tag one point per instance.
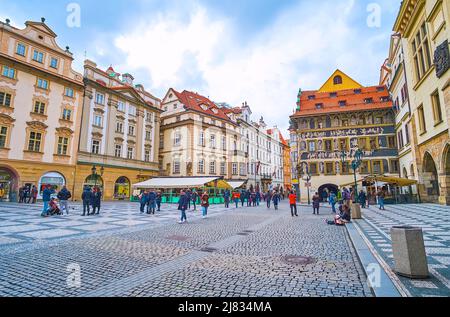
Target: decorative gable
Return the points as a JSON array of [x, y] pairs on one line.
[[339, 81]]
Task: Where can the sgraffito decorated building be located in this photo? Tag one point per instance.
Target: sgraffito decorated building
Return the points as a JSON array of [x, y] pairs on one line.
[[341, 117]]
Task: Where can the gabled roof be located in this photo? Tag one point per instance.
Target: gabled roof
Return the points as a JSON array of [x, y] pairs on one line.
[[42, 27], [347, 83], [134, 92], [194, 101]]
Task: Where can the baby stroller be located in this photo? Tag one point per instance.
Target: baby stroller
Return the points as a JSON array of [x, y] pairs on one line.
[[54, 209]]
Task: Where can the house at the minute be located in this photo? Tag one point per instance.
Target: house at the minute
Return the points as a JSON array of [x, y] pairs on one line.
[[343, 116]]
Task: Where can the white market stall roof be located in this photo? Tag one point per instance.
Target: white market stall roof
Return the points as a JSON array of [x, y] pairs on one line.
[[181, 183], [236, 184]]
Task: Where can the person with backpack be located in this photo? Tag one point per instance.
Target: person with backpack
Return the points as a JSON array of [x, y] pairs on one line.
[[143, 199], [183, 206], [64, 195], [151, 203], [276, 200], [205, 204]]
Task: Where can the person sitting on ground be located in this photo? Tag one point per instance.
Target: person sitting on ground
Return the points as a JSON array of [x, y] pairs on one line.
[[53, 208], [345, 214]]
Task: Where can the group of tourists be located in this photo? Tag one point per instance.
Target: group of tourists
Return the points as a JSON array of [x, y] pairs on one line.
[[150, 200], [186, 198], [28, 195], [91, 197], [51, 206]]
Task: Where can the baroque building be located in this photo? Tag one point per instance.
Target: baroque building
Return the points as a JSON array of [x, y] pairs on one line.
[[339, 118], [40, 107], [119, 135]]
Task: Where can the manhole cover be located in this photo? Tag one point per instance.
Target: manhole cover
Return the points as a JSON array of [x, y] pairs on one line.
[[178, 238], [209, 250], [298, 260], [242, 234]]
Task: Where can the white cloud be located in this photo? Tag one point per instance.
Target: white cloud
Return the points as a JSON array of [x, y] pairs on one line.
[[300, 49]]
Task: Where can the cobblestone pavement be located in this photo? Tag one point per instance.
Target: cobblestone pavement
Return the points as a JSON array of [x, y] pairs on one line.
[[239, 253], [434, 220]]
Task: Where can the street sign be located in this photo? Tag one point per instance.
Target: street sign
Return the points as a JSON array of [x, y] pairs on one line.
[[308, 184]]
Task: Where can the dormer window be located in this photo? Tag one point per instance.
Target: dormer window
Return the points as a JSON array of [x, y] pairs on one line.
[[333, 94], [380, 88], [368, 100], [319, 105], [357, 91], [342, 103], [337, 80], [312, 97], [204, 107], [385, 99], [215, 111]]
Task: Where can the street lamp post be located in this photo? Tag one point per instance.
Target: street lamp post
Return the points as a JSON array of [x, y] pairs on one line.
[[307, 177], [96, 175], [356, 163]]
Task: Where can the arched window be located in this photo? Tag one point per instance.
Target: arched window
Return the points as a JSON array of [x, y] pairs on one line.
[[337, 80]]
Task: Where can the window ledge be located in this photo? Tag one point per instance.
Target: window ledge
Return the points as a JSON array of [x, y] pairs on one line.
[[424, 77], [39, 115], [61, 155], [438, 123], [33, 152]]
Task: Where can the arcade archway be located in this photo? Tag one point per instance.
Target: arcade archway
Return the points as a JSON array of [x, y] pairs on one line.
[[326, 190], [430, 178], [9, 181]]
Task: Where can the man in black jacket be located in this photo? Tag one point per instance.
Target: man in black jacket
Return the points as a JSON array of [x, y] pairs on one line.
[[96, 200], [64, 195], [87, 198]]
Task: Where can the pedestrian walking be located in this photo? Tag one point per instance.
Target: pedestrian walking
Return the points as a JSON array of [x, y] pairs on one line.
[[64, 195], [158, 200], [194, 198], [46, 197], [183, 204], [226, 198], [268, 198], [205, 204], [362, 198], [34, 193], [243, 195], [151, 204], [143, 199], [276, 200], [333, 201], [96, 200], [381, 195], [21, 193], [258, 197], [189, 197], [26, 195], [86, 196], [316, 203], [293, 204]]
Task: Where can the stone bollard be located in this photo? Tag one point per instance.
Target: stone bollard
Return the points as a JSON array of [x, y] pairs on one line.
[[356, 211], [409, 252]]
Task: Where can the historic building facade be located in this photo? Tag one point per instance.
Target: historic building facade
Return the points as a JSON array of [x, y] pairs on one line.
[[394, 77], [119, 135], [40, 107], [198, 138], [338, 119], [424, 28], [287, 173]]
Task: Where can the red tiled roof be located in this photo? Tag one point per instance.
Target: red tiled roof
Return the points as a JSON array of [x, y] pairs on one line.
[[194, 101], [354, 101]]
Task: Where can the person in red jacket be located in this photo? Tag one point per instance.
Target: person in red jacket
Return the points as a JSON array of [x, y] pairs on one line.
[[205, 204], [293, 203], [236, 198]]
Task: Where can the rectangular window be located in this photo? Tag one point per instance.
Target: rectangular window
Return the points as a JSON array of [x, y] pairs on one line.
[[147, 156], [202, 139], [422, 122], [20, 50], [54, 62], [119, 127], [9, 72], [34, 143], [395, 167], [212, 141], [212, 168], [345, 169], [362, 144], [39, 107], [223, 168], [437, 112], [148, 135], [312, 146], [421, 52], [177, 139], [68, 92], [364, 169], [391, 142], [313, 169], [130, 153], [100, 99], [63, 144], [201, 167], [118, 150], [67, 114], [38, 56], [5, 99], [376, 168], [3, 134], [121, 106], [131, 130], [132, 110], [242, 169], [224, 143], [234, 169], [400, 139], [407, 133], [176, 167], [95, 146], [98, 121], [42, 83], [329, 168], [343, 145]]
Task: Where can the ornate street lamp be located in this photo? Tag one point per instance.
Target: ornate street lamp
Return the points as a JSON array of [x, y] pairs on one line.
[[356, 163], [95, 175], [307, 177]]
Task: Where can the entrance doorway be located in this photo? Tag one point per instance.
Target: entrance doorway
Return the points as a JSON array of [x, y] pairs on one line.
[[122, 188], [8, 184], [326, 190], [430, 178]]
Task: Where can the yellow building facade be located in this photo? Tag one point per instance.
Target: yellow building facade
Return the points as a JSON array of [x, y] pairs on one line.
[[425, 27], [40, 102]]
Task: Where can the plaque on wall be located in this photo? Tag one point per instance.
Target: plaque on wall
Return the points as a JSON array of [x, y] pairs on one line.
[[442, 59]]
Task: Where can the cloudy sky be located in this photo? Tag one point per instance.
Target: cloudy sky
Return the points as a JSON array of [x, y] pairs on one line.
[[259, 51]]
